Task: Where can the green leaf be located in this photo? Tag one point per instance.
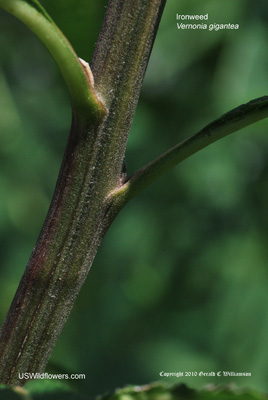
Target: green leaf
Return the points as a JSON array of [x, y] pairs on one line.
[[49, 390], [181, 392]]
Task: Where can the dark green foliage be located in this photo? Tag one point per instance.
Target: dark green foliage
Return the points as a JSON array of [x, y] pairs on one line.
[[40, 391], [39, 8], [80, 22], [148, 392], [181, 279]]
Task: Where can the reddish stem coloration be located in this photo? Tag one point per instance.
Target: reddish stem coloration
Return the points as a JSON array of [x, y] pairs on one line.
[[81, 209]]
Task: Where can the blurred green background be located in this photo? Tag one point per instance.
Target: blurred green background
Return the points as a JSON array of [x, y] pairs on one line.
[[180, 281]]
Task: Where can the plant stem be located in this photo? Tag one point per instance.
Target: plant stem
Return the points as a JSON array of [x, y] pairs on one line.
[[81, 209], [83, 96], [228, 123]]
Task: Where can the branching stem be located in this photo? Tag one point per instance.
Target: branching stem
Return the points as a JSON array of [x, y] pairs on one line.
[[90, 191], [81, 211], [84, 98], [228, 123]]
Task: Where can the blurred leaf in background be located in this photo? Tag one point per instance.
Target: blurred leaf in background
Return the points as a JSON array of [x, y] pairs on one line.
[[180, 281], [45, 390]]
